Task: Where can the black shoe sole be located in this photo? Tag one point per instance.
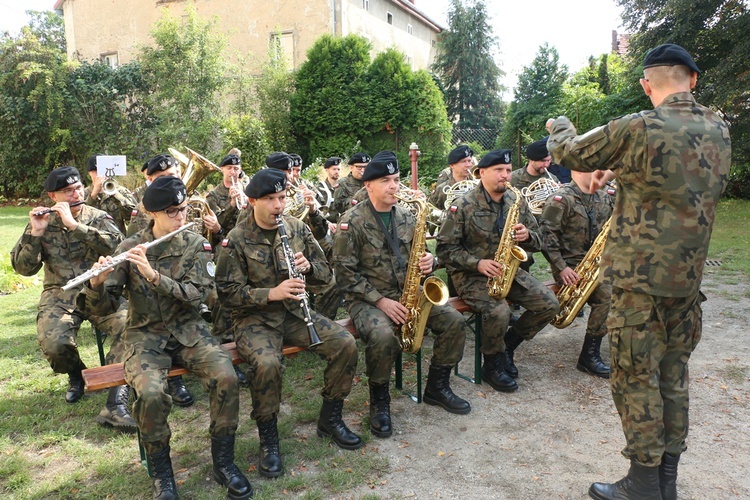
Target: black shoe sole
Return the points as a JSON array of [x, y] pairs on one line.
[[129, 429], [499, 388], [583, 369], [512, 375], [234, 497], [269, 474], [324, 434], [381, 434], [183, 404], [457, 411]]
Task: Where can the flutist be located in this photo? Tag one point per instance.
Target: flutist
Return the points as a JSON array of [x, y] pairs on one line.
[[252, 277]]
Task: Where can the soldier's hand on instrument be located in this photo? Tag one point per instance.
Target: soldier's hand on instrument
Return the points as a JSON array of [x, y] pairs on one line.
[[97, 280], [569, 276], [393, 309], [211, 222], [137, 255], [426, 262], [292, 288], [38, 222], [63, 210], [520, 232], [301, 263], [490, 268]]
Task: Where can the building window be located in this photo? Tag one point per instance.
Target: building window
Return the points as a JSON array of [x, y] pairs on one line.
[[389, 17], [282, 45], [366, 4], [110, 59], [410, 29], [434, 42]]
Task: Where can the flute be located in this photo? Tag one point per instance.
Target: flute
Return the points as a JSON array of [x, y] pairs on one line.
[[49, 210], [118, 259]]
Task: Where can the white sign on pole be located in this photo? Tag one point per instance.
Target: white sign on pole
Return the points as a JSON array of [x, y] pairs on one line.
[[110, 166]]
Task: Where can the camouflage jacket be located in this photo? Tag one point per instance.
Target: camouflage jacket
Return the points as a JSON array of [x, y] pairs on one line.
[[470, 234], [226, 213], [672, 164], [437, 197], [138, 193], [172, 306], [567, 229], [248, 266], [522, 178], [120, 205], [366, 267], [65, 254], [444, 176], [342, 198], [324, 192], [139, 220]]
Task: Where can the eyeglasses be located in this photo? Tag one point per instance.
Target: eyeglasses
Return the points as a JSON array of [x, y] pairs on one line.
[[172, 212], [70, 190], [359, 167]]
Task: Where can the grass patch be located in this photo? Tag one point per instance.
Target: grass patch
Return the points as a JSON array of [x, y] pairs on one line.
[[13, 220], [730, 239], [734, 373]]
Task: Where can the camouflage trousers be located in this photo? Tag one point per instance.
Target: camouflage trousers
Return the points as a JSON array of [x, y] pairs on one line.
[[327, 299], [377, 331], [57, 331], [221, 319], [651, 339], [260, 347], [540, 303], [146, 372]]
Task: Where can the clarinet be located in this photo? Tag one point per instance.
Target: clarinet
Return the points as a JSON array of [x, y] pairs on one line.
[[294, 273]]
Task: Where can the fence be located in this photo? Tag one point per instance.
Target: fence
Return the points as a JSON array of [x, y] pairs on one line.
[[486, 137]]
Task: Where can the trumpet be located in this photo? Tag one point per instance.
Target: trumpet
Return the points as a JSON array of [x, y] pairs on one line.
[[241, 197], [109, 186], [118, 259], [49, 210]]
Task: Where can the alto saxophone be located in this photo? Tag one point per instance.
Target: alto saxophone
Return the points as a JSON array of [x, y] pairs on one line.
[[572, 297], [434, 291], [508, 255]]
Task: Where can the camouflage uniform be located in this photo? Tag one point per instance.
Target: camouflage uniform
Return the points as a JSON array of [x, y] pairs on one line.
[[438, 197], [120, 205], [324, 194], [444, 175], [139, 220], [367, 270], [138, 194], [226, 213], [164, 327], [672, 164], [469, 234], [348, 186], [248, 267], [568, 233], [522, 178], [65, 255], [326, 298]]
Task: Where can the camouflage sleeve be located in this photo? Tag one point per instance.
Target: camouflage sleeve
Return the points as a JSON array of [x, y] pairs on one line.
[[105, 299], [525, 217], [26, 256], [550, 225], [192, 281], [90, 200], [320, 271], [232, 281], [341, 197], [101, 235], [127, 203], [318, 224], [450, 247], [346, 263]]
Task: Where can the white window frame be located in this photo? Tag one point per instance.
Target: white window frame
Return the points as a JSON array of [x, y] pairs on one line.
[[389, 17], [111, 59]]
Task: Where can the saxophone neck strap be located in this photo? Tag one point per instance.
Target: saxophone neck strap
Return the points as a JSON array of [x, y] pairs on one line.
[[390, 233]]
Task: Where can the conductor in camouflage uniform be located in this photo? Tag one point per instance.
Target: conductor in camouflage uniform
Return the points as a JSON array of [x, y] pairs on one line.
[[371, 254], [572, 219], [165, 284], [467, 244], [119, 205], [67, 242], [349, 185], [671, 164], [254, 282]]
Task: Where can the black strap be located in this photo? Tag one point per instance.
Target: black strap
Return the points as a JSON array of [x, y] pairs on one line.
[[390, 236]]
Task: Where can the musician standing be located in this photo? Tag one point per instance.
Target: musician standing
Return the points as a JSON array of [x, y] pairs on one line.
[[467, 244], [536, 168], [572, 219], [671, 164], [349, 185], [371, 256], [461, 164], [253, 280], [119, 205], [67, 241], [327, 187], [165, 285]]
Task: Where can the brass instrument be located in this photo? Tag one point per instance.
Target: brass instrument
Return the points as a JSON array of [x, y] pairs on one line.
[[573, 297], [196, 170], [295, 203], [537, 192], [435, 216], [508, 255], [242, 197], [434, 291], [109, 186], [458, 189]]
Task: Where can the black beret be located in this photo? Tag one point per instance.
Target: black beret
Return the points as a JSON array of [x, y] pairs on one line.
[[296, 160], [145, 166], [279, 161], [333, 160], [266, 181], [160, 163], [359, 158], [537, 150], [164, 192], [669, 54], [382, 164], [60, 178], [459, 154], [92, 162], [496, 157], [230, 160]]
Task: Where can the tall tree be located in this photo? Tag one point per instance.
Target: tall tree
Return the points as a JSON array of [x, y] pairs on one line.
[[465, 64], [274, 91]]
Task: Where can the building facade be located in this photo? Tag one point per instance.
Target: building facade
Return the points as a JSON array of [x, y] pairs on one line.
[[112, 31]]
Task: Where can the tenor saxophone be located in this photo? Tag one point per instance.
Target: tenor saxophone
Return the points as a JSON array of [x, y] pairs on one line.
[[434, 291], [508, 255]]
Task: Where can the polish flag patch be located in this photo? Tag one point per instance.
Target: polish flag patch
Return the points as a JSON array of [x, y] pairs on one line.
[[134, 213], [354, 202], [557, 197], [207, 246], [454, 209], [343, 226], [225, 242], [611, 192]]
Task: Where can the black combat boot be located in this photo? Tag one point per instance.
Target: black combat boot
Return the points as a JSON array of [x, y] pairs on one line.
[[241, 378], [590, 360], [225, 472], [493, 372], [438, 391], [512, 341], [162, 477], [668, 476], [331, 425], [380, 410], [270, 457], [180, 394], [115, 413], [75, 384], [641, 483]]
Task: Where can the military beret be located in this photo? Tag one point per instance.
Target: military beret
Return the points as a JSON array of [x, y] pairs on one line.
[[359, 158], [160, 163], [145, 166], [669, 54], [382, 164], [332, 161], [60, 178], [537, 150], [296, 159], [279, 161], [164, 192], [230, 160], [91, 164], [459, 154], [496, 157], [266, 181]]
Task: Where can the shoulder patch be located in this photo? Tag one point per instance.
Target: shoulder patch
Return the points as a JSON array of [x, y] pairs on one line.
[[557, 197], [225, 242], [611, 191], [354, 202], [134, 213], [344, 226], [109, 217], [207, 246], [454, 209]]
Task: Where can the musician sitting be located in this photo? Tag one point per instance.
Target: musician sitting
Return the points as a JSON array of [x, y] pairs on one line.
[[570, 223], [371, 253], [165, 284], [226, 200], [119, 204], [461, 163], [536, 168], [263, 285], [468, 242]]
